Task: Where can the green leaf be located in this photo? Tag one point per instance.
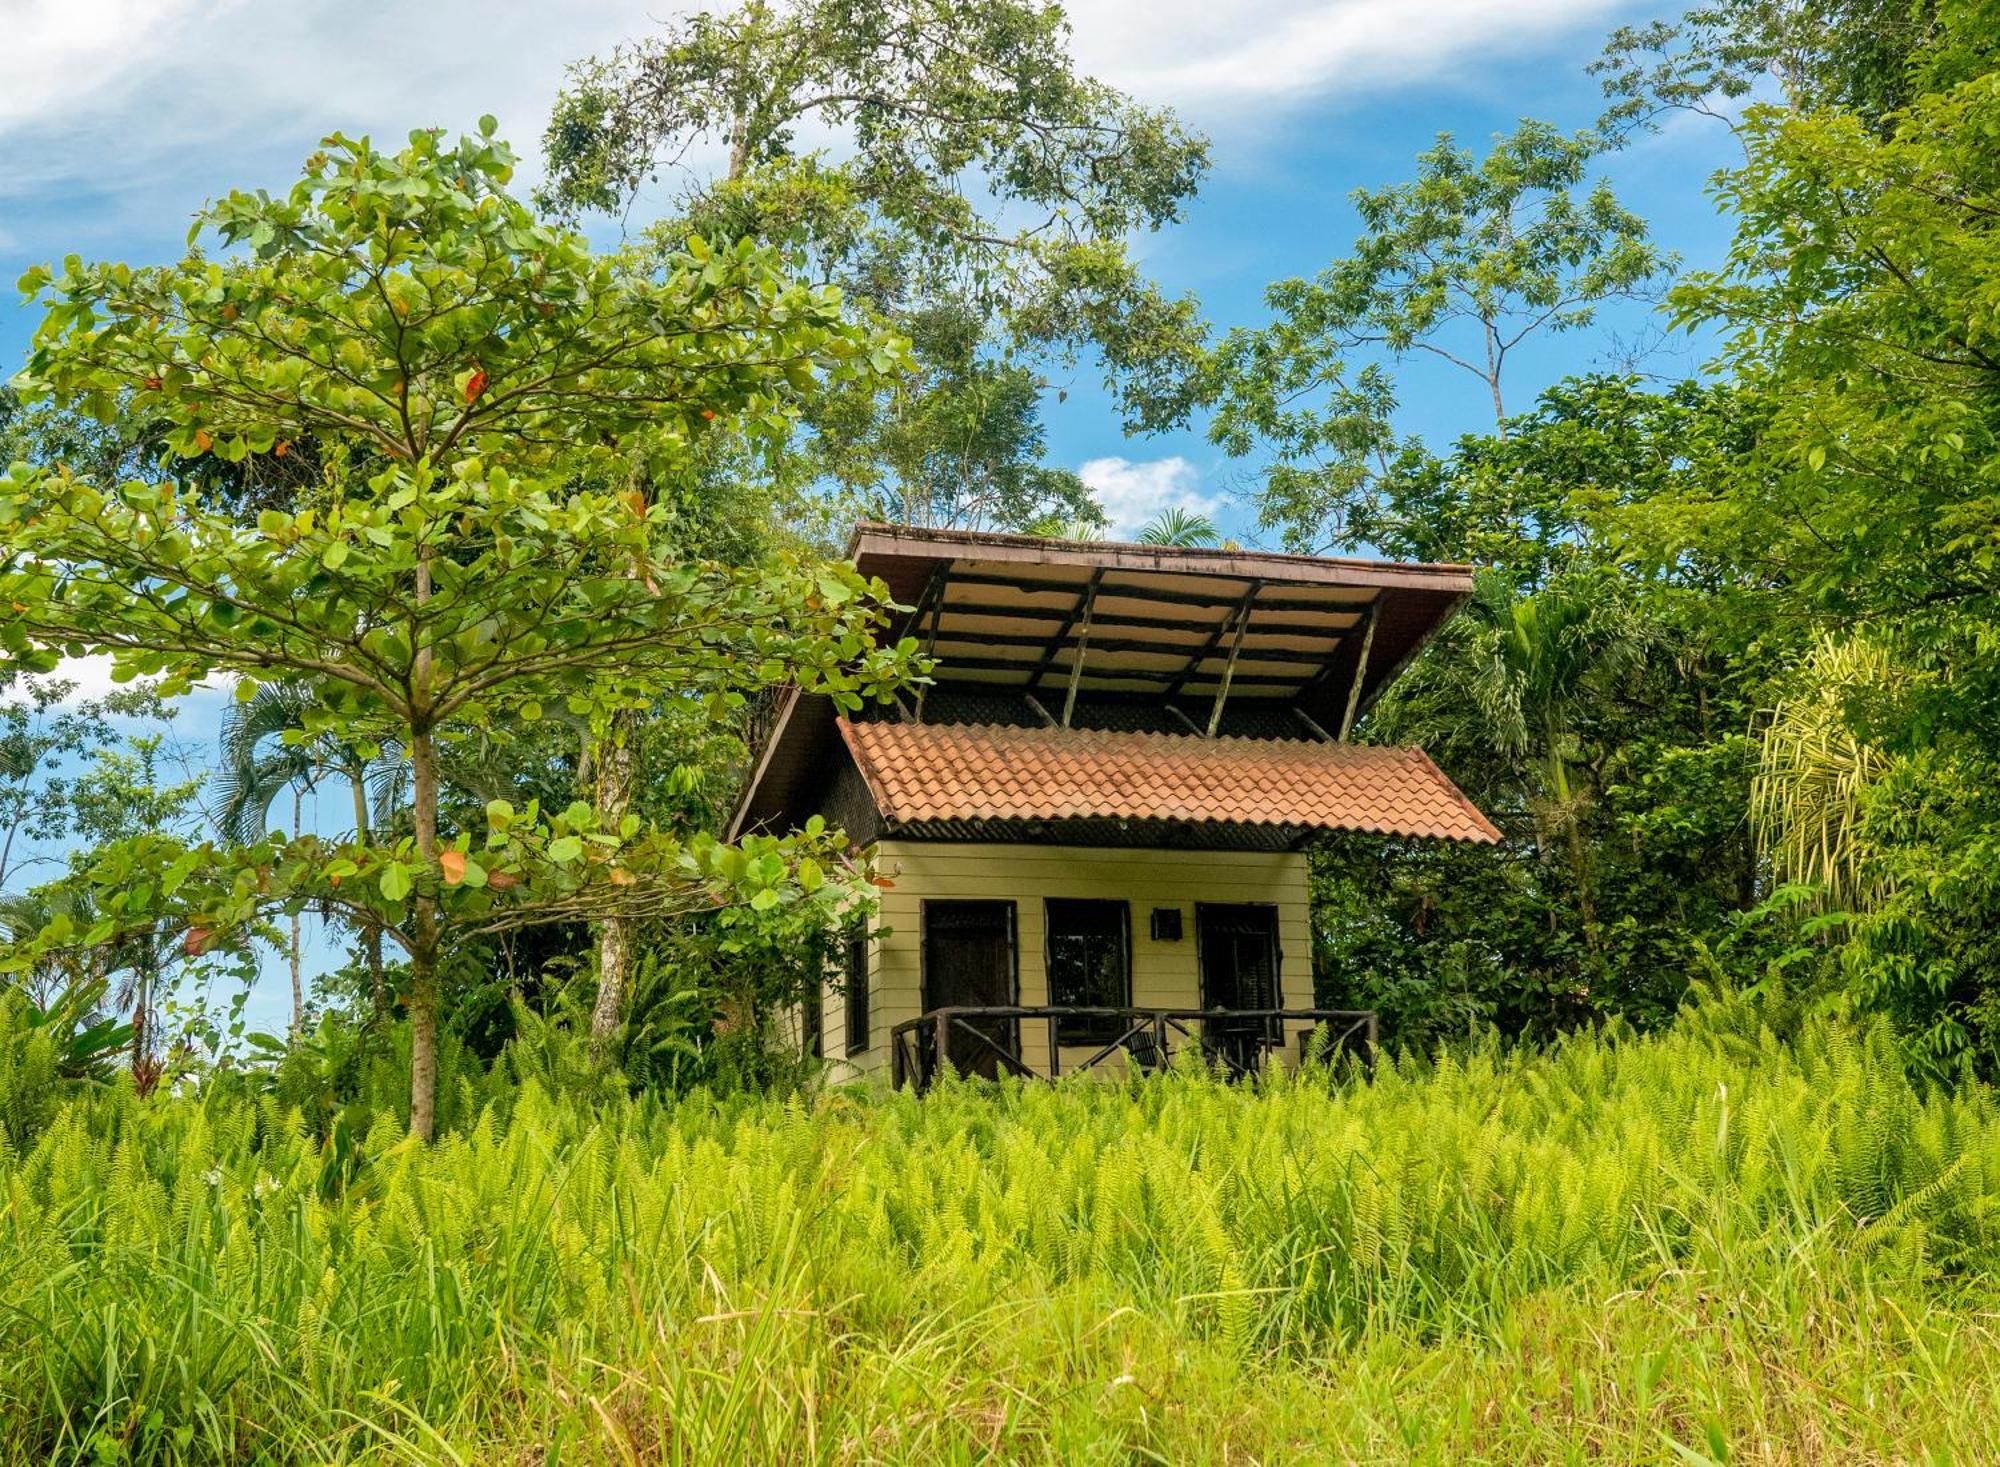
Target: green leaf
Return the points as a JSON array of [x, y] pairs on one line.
[[565, 849], [395, 881]]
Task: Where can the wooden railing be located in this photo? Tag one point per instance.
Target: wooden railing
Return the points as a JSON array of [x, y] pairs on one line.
[[1236, 1039]]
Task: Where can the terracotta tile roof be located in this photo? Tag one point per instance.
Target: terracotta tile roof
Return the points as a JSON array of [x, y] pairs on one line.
[[938, 772]]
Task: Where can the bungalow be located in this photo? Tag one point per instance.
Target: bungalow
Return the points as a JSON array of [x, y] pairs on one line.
[[1091, 823]]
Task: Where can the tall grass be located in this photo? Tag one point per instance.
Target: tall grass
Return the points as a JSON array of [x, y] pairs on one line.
[[1691, 1247]]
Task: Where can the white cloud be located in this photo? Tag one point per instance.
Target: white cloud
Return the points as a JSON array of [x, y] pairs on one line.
[[1134, 493], [88, 677], [154, 103], [1200, 55], [142, 104], [61, 52]]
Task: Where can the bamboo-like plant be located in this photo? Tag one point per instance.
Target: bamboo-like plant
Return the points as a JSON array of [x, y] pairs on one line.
[[1808, 797]]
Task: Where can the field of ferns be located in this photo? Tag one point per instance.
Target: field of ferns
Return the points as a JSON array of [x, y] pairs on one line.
[[1702, 1246]]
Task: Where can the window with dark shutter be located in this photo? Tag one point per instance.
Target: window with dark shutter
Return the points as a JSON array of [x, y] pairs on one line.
[[1089, 966], [857, 994]]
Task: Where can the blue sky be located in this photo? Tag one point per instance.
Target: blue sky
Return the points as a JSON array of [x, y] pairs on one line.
[[119, 117]]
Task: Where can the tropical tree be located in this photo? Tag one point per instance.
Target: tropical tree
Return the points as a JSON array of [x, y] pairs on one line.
[[409, 314], [1462, 265], [1719, 57], [267, 751], [972, 188], [1856, 302]]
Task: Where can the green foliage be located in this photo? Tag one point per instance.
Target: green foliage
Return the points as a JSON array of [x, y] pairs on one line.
[[48, 1051], [405, 304], [1592, 699], [55, 783], [978, 196], [1856, 302], [1181, 527], [973, 1274], [1854, 55], [1464, 263], [982, 178], [407, 314]]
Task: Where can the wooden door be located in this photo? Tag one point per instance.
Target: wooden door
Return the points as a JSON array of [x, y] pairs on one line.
[[969, 960], [1239, 970]]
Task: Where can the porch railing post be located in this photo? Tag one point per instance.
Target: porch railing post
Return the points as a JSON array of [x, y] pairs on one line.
[[942, 1021], [1055, 1049]]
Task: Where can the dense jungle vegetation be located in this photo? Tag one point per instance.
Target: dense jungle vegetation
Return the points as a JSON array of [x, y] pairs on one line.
[[1683, 1147]]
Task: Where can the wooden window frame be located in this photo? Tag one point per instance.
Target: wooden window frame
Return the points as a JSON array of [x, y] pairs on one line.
[[1049, 905]]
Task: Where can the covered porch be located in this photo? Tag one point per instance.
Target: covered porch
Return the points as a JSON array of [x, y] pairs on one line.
[[987, 1041]]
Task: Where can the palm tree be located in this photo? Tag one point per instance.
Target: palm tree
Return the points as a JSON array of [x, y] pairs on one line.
[[1524, 671], [1181, 528], [260, 763]]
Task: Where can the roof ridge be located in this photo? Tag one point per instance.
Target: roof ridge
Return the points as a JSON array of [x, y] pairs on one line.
[[1189, 740]]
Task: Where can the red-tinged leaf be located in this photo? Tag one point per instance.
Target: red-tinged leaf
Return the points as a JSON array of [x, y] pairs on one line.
[[502, 879], [452, 863], [153, 384], [195, 943], [284, 447], [621, 877], [635, 500], [476, 383], [202, 442], [229, 312], [708, 415]]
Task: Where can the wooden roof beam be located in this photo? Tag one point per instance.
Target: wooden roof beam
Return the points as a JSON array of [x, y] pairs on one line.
[[933, 602], [1360, 671], [1083, 599], [1163, 595], [1222, 629]]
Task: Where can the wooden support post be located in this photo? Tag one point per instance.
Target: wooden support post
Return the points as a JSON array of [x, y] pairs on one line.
[[1082, 650], [1360, 669], [1048, 719], [1083, 598], [1229, 667], [1192, 726], [1214, 640], [933, 601], [1312, 727]]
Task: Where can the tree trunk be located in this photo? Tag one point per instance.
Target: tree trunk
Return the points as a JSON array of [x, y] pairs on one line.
[[615, 762], [142, 1037], [1579, 852], [423, 908], [371, 931], [295, 955]]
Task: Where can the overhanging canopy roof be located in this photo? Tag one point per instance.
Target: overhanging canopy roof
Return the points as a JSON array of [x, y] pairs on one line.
[[924, 774], [1018, 613], [1178, 632]]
